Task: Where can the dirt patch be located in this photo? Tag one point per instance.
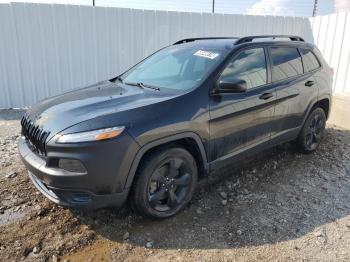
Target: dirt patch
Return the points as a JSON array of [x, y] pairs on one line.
[[280, 205]]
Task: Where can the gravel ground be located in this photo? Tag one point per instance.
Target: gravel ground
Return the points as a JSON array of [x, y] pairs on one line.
[[278, 206]]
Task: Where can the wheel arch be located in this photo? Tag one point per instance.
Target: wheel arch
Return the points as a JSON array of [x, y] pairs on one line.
[[324, 103], [188, 140]]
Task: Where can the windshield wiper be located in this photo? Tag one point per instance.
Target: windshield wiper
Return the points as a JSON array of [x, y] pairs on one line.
[[142, 85]]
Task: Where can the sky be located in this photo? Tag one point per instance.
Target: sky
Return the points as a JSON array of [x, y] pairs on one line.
[[302, 8]]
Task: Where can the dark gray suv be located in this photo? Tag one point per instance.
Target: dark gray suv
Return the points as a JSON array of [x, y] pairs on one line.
[[187, 110]]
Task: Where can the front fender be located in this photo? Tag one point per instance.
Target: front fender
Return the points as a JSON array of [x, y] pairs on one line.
[[143, 150]]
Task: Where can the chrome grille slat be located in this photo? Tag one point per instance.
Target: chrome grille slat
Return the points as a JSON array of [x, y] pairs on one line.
[[36, 135]]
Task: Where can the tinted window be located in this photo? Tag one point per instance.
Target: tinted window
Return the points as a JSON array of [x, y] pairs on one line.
[[249, 65], [310, 61], [286, 62]]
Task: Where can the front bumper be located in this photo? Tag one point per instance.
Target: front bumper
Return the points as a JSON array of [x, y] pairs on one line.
[[79, 199], [107, 164]]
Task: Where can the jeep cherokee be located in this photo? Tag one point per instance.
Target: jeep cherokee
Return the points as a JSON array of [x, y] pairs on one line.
[[187, 110]]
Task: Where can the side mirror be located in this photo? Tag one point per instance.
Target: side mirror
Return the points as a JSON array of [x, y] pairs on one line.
[[231, 85]]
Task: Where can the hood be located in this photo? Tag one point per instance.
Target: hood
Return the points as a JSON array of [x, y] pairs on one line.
[[104, 98]]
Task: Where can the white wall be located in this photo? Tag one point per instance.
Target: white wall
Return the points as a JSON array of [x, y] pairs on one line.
[[332, 36], [48, 49]]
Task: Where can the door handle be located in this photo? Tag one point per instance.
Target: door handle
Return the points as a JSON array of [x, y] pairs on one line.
[[266, 96], [309, 83]]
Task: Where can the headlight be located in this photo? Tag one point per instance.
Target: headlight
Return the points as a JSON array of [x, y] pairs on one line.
[[96, 135]]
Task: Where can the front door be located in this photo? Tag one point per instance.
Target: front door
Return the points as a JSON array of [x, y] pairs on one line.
[[242, 121]]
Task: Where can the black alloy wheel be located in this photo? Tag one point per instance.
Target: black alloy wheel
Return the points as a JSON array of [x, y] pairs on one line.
[[169, 184], [165, 183], [312, 132]]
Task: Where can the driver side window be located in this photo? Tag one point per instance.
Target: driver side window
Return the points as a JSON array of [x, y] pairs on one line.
[[250, 66]]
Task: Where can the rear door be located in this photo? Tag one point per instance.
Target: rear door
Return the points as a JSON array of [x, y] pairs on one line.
[[295, 91], [241, 121]]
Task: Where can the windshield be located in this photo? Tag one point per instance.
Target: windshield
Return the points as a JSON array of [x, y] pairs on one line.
[[175, 67]]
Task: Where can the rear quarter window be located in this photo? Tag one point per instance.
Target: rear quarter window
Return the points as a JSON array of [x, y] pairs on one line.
[[286, 63], [309, 59]]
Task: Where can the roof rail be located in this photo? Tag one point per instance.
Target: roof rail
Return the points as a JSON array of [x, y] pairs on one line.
[[201, 38], [246, 39]]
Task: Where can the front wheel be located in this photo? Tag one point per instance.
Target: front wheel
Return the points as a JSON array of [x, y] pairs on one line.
[[312, 132], [165, 183]]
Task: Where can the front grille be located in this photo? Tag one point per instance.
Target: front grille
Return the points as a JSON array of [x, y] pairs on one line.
[[36, 135]]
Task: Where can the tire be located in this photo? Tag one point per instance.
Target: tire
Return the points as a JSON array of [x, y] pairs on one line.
[[312, 131], [164, 183]]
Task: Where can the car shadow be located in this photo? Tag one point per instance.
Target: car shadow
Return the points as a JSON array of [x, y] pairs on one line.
[[276, 196]]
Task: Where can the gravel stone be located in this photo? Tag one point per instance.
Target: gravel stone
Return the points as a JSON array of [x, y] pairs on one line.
[[36, 250], [11, 175], [126, 236], [149, 244], [223, 194]]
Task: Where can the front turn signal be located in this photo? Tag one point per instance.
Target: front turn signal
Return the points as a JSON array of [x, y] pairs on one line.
[[95, 135]]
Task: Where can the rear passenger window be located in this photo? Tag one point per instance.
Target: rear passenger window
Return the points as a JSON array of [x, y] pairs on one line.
[[286, 63], [310, 61], [248, 65]]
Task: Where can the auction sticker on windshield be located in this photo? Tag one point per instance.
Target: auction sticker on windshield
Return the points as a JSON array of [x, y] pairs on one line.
[[206, 54]]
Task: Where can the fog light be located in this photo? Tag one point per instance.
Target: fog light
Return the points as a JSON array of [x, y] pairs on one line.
[[72, 165]]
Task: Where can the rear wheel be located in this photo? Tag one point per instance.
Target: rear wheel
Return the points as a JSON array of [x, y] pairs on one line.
[[165, 183], [312, 132]]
